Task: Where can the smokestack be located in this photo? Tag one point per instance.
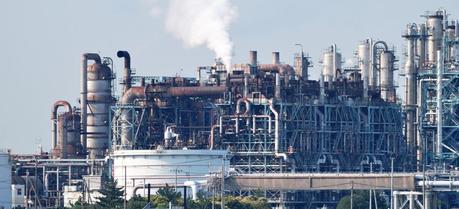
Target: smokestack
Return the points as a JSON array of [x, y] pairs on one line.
[[84, 92], [127, 69], [276, 59], [253, 61]]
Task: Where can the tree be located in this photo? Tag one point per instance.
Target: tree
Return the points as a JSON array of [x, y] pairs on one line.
[[112, 196], [360, 200], [136, 202], [169, 194]]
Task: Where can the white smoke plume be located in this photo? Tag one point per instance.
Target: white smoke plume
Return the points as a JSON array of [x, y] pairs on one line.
[[203, 22]]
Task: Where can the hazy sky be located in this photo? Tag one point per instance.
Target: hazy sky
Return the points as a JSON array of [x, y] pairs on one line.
[[42, 42]]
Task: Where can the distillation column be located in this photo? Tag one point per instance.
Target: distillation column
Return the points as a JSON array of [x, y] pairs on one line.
[[363, 53], [387, 76], [435, 36], [411, 86]]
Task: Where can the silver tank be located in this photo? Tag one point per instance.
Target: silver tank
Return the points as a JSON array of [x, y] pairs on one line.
[[363, 54], [421, 44], [99, 101], [435, 36], [387, 76], [329, 70], [68, 134], [451, 34]]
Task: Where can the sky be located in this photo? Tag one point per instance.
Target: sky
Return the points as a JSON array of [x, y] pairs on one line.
[[41, 43]]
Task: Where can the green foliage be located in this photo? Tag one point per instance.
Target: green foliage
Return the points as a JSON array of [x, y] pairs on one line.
[[360, 200], [169, 194], [248, 202], [136, 202], [80, 204], [112, 196]]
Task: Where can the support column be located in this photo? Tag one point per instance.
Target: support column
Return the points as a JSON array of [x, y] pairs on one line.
[[395, 200], [411, 201]]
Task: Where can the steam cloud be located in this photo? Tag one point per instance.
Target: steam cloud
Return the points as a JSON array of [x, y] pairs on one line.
[[203, 22]]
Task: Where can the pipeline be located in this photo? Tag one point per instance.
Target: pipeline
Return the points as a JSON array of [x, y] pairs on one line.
[[84, 93], [57, 104], [276, 132], [212, 137], [247, 106], [196, 91], [127, 69], [129, 97], [374, 50], [282, 69]]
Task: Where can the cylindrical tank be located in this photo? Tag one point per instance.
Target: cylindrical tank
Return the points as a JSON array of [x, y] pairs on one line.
[[160, 167], [327, 63], [421, 44], [301, 66], [435, 35], [387, 76], [363, 53], [99, 101], [329, 69], [5, 180], [68, 132], [451, 35]]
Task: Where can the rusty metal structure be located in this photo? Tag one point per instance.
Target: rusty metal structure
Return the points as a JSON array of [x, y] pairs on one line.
[[273, 117]]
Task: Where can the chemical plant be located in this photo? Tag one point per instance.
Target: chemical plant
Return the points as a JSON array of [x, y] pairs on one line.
[[261, 125]]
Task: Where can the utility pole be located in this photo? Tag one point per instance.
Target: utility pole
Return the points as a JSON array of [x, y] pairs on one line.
[[223, 184], [125, 184], [391, 182], [352, 194]]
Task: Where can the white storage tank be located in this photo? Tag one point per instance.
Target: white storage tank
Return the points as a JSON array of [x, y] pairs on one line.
[[331, 62], [5, 180], [160, 167]]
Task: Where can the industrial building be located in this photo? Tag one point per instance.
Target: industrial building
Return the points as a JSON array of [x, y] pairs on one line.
[[255, 118]]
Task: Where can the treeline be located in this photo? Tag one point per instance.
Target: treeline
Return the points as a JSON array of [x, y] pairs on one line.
[[112, 198]]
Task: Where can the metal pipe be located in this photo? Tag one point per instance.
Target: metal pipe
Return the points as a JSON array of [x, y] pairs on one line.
[[127, 69], [373, 81], [282, 69], [212, 136], [246, 85], [84, 93], [196, 91], [277, 152], [334, 62], [247, 106], [277, 91], [128, 98], [57, 104], [439, 103]]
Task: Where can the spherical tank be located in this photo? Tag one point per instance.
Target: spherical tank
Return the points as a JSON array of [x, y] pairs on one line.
[[5, 180], [99, 101], [160, 167]]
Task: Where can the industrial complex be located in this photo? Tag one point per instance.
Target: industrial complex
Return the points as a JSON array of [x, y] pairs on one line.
[[257, 125]]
